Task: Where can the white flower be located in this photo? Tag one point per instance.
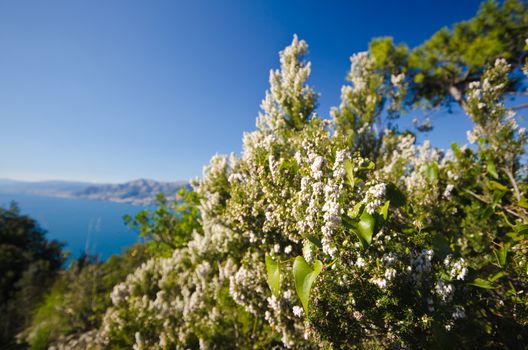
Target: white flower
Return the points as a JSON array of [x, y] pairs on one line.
[[360, 262], [382, 283], [390, 273], [447, 191], [388, 258], [430, 304], [510, 119], [420, 265], [451, 175], [486, 85], [119, 294], [396, 80], [298, 311], [475, 93], [500, 62], [472, 136], [307, 252], [328, 247], [474, 85], [457, 269], [444, 290], [236, 177], [288, 249], [139, 342], [459, 312], [374, 197], [298, 157], [272, 165], [316, 167], [318, 187], [359, 66]]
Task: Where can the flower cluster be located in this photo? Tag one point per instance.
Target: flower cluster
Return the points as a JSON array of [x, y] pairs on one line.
[[420, 265], [457, 268], [374, 197]]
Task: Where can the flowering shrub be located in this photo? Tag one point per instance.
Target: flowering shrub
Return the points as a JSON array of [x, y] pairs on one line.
[[346, 233]]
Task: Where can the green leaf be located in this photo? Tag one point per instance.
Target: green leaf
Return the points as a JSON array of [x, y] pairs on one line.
[[354, 213], [367, 165], [384, 210], [507, 221], [497, 186], [365, 228], [394, 194], [419, 78], [273, 271], [481, 283], [497, 198], [502, 254], [305, 276], [313, 239], [486, 213], [440, 245], [348, 222], [349, 170], [497, 276], [456, 150], [514, 236], [523, 202], [521, 229], [290, 166], [492, 170], [432, 172]]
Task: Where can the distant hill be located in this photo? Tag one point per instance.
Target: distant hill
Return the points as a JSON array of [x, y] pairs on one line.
[[139, 192]]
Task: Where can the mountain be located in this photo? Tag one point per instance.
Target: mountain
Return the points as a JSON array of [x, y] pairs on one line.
[[139, 192]]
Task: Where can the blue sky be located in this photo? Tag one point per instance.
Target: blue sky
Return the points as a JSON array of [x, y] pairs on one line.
[[114, 90]]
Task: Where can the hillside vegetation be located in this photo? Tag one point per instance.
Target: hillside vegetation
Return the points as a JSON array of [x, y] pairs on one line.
[[345, 233]]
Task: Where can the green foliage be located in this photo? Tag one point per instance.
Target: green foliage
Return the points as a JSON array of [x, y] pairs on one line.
[[171, 224], [305, 275], [273, 271], [28, 264], [79, 297], [365, 228], [439, 71]]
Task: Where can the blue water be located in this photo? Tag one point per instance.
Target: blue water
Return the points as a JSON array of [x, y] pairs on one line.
[[93, 226]]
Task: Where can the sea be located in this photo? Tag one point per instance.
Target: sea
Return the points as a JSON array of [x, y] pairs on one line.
[[94, 227]]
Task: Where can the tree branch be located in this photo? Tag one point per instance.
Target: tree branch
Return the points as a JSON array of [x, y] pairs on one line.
[[482, 199], [458, 97], [514, 184]]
